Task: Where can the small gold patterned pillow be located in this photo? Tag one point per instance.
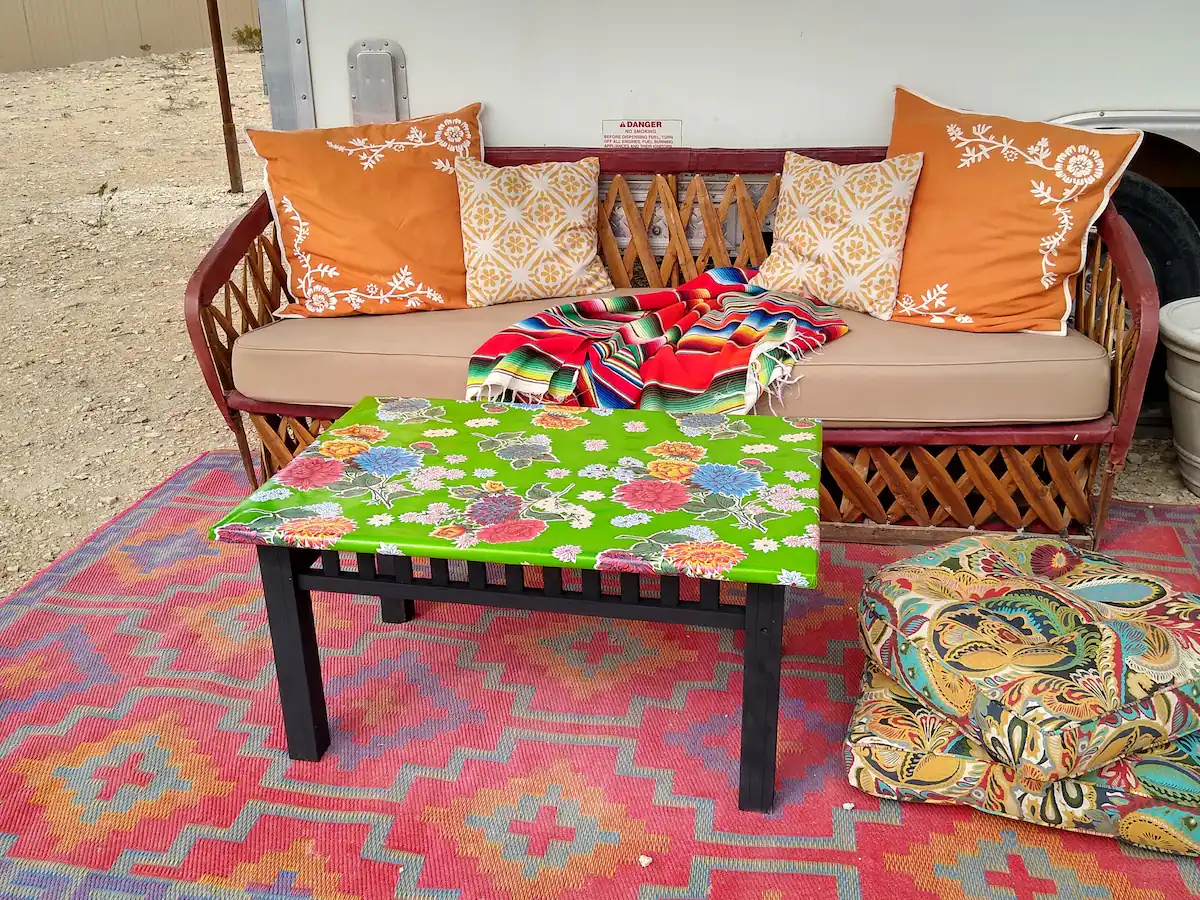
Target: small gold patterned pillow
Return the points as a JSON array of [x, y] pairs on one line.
[[839, 231], [529, 232]]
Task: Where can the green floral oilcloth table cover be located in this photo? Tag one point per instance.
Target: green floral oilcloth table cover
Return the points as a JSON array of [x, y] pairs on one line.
[[705, 495]]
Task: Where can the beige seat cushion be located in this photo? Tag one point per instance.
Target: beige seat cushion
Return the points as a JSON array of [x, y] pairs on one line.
[[892, 374], [881, 373]]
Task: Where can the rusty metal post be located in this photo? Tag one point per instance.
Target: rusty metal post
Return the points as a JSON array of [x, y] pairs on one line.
[[231, 142]]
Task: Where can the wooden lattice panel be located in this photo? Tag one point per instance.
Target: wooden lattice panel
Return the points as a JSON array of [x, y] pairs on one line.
[[1021, 488], [246, 302], [685, 207], [1102, 313], [283, 437]]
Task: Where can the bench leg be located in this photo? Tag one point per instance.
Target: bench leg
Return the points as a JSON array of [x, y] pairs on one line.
[[397, 612], [760, 696], [297, 661]]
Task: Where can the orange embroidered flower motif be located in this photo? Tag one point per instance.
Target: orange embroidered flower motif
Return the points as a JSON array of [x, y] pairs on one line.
[[448, 531], [342, 449], [671, 469], [564, 421], [489, 274], [494, 486], [316, 532], [704, 559], [486, 218], [856, 249], [516, 244], [891, 222], [371, 433], [545, 213], [678, 449]]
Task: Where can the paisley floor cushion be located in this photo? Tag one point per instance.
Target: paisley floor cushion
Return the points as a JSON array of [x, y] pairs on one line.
[[1057, 661], [897, 748]]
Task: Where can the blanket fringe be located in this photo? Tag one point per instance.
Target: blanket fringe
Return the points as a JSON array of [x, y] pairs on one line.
[[496, 393], [790, 353]]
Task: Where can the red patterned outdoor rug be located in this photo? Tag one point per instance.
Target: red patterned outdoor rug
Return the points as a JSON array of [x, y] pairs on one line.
[[477, 754]]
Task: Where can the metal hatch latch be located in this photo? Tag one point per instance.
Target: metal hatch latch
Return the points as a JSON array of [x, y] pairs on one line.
[[378, 81]]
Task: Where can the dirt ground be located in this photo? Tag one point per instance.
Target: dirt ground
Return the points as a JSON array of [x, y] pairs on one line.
[[101, 395], [112, 186]]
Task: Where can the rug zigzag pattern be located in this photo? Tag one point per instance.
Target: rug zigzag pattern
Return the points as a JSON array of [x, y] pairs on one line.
[[477, 754]]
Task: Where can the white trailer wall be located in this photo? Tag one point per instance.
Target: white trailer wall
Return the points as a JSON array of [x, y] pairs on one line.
[[758, 73]]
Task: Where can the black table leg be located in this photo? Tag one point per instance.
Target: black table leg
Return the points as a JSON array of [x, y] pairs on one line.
[[760, 696], [396, 610], [297, 661]]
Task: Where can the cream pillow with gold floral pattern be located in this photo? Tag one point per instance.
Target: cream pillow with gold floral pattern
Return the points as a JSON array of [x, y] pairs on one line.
[[529, 232], [839, 231]]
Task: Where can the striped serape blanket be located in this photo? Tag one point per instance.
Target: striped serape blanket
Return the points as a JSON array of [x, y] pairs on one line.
[[715, 344]]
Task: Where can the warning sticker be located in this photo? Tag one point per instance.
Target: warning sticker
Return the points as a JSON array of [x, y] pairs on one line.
[[643, 133]]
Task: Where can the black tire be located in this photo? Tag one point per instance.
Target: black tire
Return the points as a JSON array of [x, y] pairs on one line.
[[1168, 235], [1170, 239]]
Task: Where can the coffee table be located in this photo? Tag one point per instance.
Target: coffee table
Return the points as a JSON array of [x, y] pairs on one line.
[[649, 496]]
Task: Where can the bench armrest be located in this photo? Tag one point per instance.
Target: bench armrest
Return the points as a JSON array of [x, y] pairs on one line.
[[235, 288], [1116, 305]]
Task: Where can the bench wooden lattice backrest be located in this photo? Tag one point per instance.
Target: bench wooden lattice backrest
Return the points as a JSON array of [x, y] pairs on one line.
[[669, 215]]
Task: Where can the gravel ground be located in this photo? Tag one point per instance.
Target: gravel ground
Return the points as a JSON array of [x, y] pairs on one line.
[[1152, 474], [114, 185], [102, 397]]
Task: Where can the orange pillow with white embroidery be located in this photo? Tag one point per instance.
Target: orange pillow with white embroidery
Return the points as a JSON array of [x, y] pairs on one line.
[[998, 227], [368, 214]]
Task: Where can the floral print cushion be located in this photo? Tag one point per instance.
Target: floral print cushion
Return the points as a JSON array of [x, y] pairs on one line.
[[1057, 660], [899, 749]]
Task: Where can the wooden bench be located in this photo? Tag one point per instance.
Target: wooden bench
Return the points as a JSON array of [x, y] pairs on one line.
[[667, 215]]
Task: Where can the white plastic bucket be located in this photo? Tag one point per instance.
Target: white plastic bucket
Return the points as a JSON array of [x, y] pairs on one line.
[[1179, 327]]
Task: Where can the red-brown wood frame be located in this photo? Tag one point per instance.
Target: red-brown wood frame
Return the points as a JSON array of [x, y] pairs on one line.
[[883, 455]]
